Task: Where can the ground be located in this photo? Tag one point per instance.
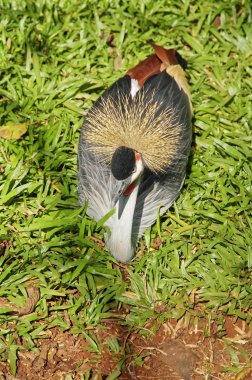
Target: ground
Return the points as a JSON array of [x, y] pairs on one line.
[[176, 351]]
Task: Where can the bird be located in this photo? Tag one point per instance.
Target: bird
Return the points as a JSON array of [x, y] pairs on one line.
[[134, 147]]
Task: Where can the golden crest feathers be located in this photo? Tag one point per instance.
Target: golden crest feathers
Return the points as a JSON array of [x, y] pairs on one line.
[[139, 122], [115, 124]]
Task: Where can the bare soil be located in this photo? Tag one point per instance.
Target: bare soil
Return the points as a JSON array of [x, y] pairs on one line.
[[178, 350]]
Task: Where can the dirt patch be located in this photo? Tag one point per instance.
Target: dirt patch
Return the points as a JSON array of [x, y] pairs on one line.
[[177, 351]]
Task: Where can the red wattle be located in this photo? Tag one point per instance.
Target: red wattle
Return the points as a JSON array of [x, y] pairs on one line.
[[129, 189]]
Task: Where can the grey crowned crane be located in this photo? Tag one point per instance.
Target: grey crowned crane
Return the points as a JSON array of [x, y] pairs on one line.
[[134, 147]]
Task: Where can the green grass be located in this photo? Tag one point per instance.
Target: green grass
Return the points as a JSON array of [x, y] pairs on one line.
[[55, 61]]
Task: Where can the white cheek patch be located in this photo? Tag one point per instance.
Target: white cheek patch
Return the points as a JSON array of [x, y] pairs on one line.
[[134, 87]]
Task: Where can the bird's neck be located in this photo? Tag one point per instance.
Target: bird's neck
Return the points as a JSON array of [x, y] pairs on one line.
[[120, 242]]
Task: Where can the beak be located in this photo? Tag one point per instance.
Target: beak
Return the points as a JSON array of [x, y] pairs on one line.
[[121, 187]]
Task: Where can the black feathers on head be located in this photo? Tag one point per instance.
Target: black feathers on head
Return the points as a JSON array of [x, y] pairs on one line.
[[123, 163]]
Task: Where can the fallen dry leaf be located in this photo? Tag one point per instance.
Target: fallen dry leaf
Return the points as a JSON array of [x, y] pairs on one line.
[[33, 297], [118, 62], [13, 131]]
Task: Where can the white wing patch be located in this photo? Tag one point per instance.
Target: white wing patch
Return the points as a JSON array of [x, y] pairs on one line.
[[134, 87]]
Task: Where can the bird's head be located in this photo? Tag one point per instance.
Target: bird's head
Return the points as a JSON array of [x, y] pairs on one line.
[[127, 166]]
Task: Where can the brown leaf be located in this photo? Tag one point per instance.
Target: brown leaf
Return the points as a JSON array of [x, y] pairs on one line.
[[217, 22], [33, 297], [13, 131], [118, 62], [111, 40]]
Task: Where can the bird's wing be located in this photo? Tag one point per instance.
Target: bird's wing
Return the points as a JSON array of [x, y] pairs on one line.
[[159, 191], [154, 64], [95, 183], [156, 199], [163, 59], [95, 180], [145, 69]]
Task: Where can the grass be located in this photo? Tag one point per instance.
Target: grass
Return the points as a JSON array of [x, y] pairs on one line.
[[56, 58]]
